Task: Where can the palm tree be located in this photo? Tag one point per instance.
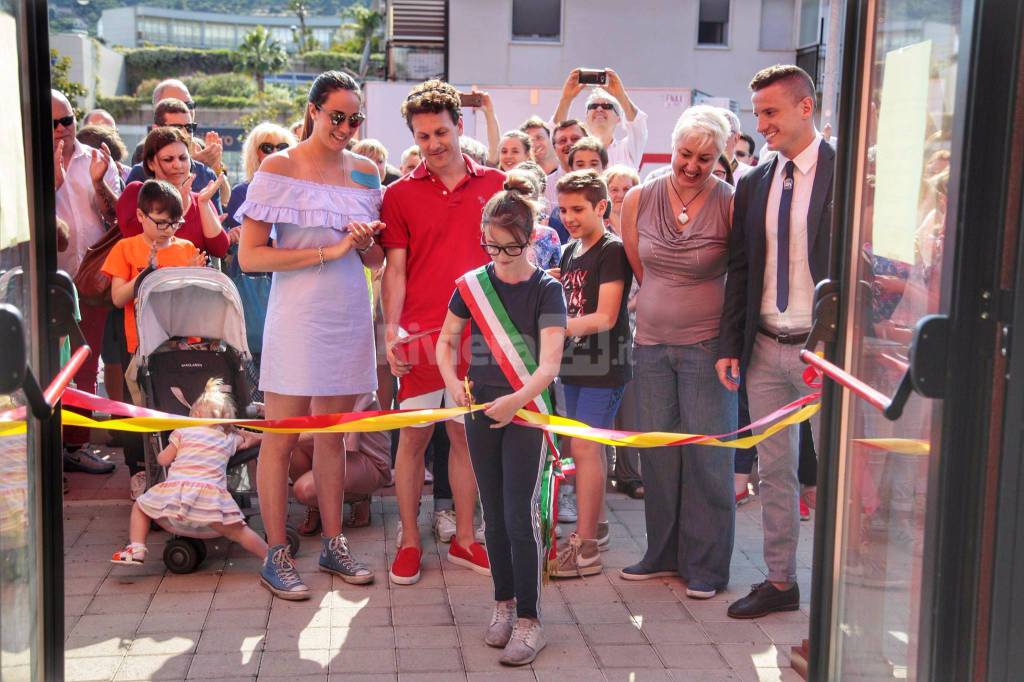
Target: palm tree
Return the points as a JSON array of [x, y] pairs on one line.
[[260, 55], [365, 22], [302, 34]]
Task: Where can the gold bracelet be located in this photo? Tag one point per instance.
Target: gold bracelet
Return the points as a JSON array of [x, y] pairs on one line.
[[320, 253]]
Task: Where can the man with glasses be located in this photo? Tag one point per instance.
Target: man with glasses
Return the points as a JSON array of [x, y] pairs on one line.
[[86, 184], [606, 108], [174, 113]]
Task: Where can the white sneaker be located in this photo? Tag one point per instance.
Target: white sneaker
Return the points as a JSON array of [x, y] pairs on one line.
[[478, 534], [444, 525], [567, 505], [526, 642]]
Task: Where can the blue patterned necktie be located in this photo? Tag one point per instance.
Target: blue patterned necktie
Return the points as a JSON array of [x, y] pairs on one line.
[[782, 261]]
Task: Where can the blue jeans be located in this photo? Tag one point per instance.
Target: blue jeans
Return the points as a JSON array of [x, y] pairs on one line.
[[689, 503]]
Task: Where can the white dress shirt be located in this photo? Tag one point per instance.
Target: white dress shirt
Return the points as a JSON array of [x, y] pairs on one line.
[[78, 206], [629, 150], [797, 317], [551, 191]]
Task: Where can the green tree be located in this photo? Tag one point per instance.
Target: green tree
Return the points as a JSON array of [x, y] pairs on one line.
[[60, 80], [366, 24], [260, 55]]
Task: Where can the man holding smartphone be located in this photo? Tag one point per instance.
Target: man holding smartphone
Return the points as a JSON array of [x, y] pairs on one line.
[[607, 106]]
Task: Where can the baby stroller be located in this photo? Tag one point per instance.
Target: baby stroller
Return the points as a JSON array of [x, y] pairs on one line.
[[191, 329]]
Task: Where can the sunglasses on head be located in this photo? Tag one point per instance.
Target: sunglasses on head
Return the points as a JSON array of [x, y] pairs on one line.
[[190, 127], [338, 117], [607, 106], [512, 250], [65, 121], [270, 147]]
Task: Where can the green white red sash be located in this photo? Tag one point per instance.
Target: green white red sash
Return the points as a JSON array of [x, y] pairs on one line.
[[517, 363]]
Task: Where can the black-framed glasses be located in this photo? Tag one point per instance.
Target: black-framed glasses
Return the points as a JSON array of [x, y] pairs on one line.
[[512, 250], [172, 225], [191, 105], [607, 106], [189, 127], [338, 117], [270, 147], [66, 121]]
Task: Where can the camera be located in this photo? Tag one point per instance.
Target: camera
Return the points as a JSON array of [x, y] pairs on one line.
[[593, 76], [471, 99]]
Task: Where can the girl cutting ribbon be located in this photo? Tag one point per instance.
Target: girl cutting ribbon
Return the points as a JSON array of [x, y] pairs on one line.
[[517, 315]]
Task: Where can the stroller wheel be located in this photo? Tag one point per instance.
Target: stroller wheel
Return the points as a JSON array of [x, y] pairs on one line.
[[293, 539], [200, 546], [181, 555]]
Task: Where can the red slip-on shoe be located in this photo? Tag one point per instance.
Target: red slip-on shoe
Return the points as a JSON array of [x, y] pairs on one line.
[[805, 511], [473, 557], [405, 569], [743, 497]]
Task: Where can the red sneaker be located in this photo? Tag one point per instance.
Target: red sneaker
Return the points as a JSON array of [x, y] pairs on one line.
[[805, 511], [405, 570], [742, 497], [473, 557]]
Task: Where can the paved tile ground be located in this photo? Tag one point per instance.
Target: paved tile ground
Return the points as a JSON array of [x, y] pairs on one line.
[[148, 624]]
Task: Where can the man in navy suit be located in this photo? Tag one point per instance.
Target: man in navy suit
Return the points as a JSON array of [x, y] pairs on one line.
[[778, 251]]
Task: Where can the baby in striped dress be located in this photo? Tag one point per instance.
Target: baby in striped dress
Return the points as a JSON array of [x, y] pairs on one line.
[[195, 495]]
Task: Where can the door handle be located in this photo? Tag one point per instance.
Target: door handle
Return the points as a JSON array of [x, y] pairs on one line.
[[14, 370], [925, 373]]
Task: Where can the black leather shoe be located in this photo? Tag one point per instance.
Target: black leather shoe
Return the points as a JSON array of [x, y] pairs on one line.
[[763, 599]]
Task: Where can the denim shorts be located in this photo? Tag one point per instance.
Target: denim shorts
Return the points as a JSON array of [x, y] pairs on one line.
[[593, 406]]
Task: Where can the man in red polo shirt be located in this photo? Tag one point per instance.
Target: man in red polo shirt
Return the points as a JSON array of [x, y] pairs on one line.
[[433, 236]]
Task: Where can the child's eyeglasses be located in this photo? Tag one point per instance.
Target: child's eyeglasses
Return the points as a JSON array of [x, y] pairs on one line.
[[270, 148], [172, 225], [511, 250], [338, 117]]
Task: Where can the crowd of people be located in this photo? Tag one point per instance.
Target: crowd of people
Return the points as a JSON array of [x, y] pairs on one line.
[[535, 271]]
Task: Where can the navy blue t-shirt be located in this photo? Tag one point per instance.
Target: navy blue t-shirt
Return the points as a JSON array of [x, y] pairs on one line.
[[537, 303]]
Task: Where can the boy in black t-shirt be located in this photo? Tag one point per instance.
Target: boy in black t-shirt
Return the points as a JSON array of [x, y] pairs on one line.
[[595, 366]]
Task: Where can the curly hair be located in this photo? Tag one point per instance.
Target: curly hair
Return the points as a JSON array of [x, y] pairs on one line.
[[432, 97]]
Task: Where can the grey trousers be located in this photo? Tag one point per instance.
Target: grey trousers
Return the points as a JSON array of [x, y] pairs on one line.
[[774, 378]]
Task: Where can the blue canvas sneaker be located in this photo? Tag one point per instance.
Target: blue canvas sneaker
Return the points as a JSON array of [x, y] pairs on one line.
[[279, 576], [335, 558]]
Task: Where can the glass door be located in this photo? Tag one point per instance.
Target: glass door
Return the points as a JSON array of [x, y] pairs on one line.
[[899, 267]]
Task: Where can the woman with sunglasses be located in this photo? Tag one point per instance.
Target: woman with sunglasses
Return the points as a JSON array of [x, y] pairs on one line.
[[261, 142], [165, 156], [321, 203]]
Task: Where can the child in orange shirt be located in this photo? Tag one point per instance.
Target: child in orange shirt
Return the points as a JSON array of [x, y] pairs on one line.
[[160, 212]]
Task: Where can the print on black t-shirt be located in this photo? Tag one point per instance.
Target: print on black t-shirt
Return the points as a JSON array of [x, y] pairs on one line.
[[602, 359]]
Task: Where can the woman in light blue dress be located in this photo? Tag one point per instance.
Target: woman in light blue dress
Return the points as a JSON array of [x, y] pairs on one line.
[[320, 204]]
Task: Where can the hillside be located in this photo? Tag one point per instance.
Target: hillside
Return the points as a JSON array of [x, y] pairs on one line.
[[67, 15]]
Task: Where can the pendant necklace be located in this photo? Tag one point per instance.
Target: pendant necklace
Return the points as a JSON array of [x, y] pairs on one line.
[[683, 218]]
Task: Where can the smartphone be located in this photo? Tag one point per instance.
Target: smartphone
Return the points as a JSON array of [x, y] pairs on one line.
[[471, 99], [593, 76]]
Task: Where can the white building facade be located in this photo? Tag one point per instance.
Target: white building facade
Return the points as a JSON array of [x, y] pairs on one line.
[[712, 46]]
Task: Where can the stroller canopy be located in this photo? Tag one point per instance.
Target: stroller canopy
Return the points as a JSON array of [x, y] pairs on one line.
[[185, 301]]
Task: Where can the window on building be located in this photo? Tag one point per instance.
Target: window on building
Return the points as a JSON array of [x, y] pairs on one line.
[[777, 18], [537, 20], [186, 33], [713, 22], [809, 19], [153, 30], [220, 35]]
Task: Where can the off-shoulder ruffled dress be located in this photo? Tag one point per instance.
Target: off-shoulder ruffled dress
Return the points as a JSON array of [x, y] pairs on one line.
[[318, 337]]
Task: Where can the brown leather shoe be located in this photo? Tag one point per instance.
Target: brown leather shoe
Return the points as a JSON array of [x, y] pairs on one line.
[[311, 524], [359, 514]]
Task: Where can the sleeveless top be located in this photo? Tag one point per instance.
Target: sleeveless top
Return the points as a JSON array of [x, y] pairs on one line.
[[680, 302]]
